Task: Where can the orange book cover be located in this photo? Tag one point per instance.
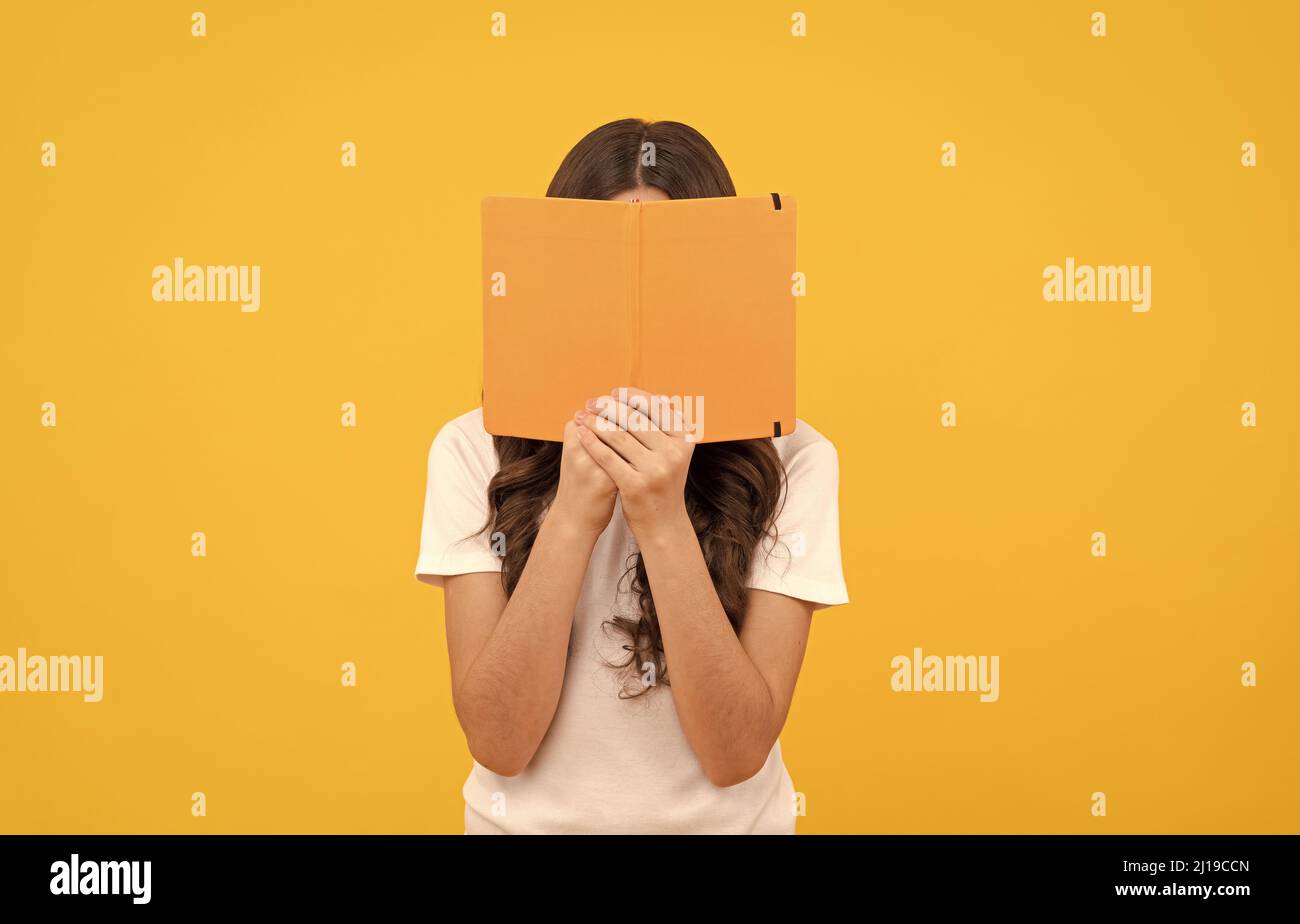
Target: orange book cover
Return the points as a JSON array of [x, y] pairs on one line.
[[687, 298]]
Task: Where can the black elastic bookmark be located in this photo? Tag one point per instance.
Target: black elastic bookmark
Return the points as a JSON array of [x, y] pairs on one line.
[[776, 204], [776, 426]]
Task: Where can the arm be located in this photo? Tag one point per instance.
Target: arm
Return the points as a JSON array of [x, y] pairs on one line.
[[508, 658], [732, 693]]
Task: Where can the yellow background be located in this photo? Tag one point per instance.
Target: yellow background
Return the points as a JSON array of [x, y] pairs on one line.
[[1119, 675]]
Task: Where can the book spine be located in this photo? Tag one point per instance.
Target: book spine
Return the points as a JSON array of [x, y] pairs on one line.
[[632, 240]]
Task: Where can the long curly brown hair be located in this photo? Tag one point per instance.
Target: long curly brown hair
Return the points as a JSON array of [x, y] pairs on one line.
[[733, 489]]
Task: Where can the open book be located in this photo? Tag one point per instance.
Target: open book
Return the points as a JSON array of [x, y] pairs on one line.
[[687, 298]]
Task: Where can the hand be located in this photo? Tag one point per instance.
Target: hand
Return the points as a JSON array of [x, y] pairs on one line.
[[641, 445], [585, 496]]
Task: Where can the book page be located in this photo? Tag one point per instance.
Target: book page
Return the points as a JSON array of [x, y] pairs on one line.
[[557, 277], [717, 312]]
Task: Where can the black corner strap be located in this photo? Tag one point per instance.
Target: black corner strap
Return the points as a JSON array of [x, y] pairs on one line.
[[776, 204], [776, 428]]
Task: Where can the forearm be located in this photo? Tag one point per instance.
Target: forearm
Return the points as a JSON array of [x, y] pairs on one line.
[[725, 706], [508, 697]]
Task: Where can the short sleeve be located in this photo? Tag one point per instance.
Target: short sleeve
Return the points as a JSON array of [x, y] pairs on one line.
[[802, 560], [452, 539]]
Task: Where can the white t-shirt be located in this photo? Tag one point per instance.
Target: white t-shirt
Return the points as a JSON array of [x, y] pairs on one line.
[[623, 766]]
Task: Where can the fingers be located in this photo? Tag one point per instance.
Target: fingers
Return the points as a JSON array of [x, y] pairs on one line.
[[613, 414], [615, 466], [615, 437], [666, 414]]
